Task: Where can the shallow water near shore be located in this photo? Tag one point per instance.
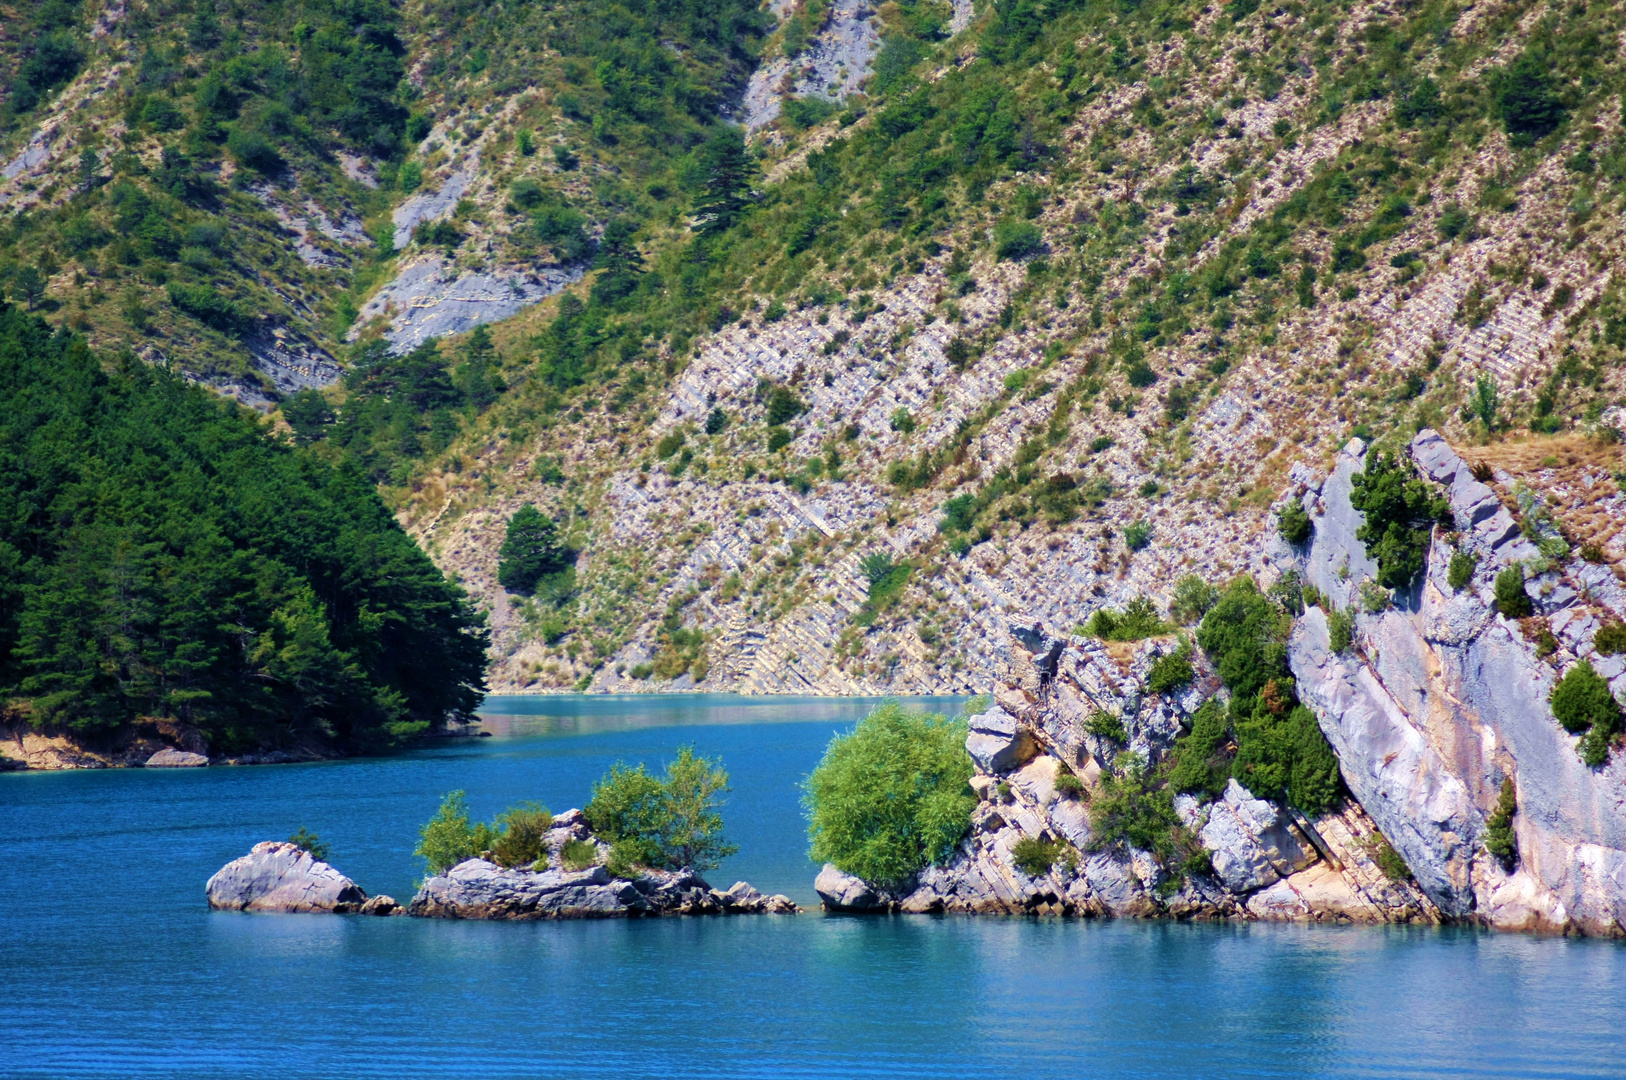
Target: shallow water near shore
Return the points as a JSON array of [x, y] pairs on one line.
[[111, 964]]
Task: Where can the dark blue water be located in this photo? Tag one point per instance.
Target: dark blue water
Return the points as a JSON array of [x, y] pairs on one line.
[[110, 963]]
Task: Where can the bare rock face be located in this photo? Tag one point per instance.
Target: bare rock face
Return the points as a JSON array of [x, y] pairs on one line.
[[841, 891], [1442, 698], [1248, 839], [278, 876], [176, 759], [997, 743]]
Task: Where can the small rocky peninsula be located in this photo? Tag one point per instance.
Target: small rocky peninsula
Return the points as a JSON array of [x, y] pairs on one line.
[[1463, 798], [573, 884]]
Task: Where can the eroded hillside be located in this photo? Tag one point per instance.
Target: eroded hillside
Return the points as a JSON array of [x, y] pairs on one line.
[[1006, 306]]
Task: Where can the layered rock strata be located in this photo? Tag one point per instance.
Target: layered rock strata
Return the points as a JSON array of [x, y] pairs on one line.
[[1438, 700]]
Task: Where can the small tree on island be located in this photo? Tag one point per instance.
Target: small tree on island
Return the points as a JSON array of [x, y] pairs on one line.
[[664, 823], [531, 551]]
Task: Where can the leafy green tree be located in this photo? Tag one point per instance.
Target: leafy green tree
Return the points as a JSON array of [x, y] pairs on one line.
[[308, 414], [531, 550], [1401, 510], [28, 285], [669, 822], [310, 843], [450, 837], [891, 796], [1499, 837]]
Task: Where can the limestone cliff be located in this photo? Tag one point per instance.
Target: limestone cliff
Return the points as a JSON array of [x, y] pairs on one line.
[[1437, 699], [1441, 698], [1266, 862]]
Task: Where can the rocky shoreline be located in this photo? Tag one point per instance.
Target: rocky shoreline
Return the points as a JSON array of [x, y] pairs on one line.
[[163, 745], [282, 877], [1437, 701]]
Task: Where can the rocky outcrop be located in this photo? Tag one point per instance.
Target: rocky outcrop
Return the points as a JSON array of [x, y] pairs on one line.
[[479, 889], [282, 877], [1441, 698], [1268, 862], [170, 758]]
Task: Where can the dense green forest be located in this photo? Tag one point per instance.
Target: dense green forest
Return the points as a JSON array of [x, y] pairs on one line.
[[162, 556]]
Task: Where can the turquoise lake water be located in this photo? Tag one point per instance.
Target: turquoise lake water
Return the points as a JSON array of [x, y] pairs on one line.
[[111, 964]]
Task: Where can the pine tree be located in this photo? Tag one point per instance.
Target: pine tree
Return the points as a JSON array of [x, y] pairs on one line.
[[727, 189], [531, 550]]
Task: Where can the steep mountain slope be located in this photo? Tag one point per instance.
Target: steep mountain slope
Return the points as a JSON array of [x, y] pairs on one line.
[[1040, 319], [1057, 363]]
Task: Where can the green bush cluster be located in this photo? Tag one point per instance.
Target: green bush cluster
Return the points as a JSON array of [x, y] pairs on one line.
[[513, 839], [1134, 807], [1281, 752], [1138, 620], [891, 796], [1461, 569], [664, 822], [1610, 639], [1583, 704], [1171, 671], [886, 581], [1511, 598], [1294, 524], [1036, 858], [1401, 510], [1105, 725], [310, 844]]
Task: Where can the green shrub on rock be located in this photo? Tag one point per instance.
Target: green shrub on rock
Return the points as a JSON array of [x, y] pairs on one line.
[[1499, 838], [1138, 620], [450, 838], [891, 796], [1401, 510], [1104, 725], [1610, 640], [578, 855], [310, 844], [1340, 630], [1294, 524], [1511, 599], [1461, 570], [521, 829], [1583, 705], [1035, 857], [1171, 672]]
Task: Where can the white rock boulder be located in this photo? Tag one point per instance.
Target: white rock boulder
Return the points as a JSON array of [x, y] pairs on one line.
[[278, 876]]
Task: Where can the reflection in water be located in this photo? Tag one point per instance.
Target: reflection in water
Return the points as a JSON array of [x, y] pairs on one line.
[[580, 714]]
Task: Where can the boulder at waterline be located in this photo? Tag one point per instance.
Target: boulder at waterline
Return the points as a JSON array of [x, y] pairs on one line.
[[477, 889], [170, 758], [279, 876]]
